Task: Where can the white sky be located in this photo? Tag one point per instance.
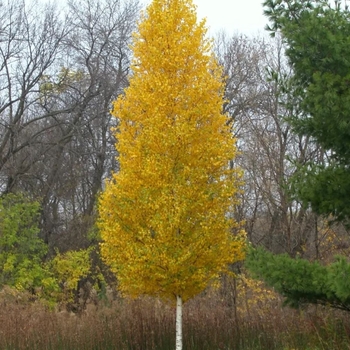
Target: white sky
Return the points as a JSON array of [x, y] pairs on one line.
[[242, 16], [233, 16]]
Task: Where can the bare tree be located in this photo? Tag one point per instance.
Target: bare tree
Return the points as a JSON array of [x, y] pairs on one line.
[[60, 73], [256, 71], [30, 39]]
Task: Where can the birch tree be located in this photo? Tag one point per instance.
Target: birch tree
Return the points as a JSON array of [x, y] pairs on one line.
[[166, 218]]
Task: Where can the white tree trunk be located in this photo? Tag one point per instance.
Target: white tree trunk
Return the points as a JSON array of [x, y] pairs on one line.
[[178, 323]]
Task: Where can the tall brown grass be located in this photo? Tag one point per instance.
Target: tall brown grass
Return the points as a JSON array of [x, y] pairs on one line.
[[242, 315]]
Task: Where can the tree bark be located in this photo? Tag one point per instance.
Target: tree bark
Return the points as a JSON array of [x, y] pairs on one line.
[[178, 322]]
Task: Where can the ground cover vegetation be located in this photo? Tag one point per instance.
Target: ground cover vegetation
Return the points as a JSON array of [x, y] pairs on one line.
[[285, 100], [209, 321]]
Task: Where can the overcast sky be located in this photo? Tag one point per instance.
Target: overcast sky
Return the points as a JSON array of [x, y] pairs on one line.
[[242, 16]]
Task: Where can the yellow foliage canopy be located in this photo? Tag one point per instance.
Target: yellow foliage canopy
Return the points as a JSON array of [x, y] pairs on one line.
[[166, 216]]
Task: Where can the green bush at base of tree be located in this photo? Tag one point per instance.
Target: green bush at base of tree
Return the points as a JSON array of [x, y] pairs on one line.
[[302, 282], [22, 255]]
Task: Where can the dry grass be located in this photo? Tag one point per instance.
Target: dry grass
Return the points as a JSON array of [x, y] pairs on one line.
[[216, 320]]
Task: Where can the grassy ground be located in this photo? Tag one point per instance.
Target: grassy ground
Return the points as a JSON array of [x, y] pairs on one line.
[[250, 319]]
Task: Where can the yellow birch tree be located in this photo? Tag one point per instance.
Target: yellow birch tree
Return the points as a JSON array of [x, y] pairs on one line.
[[166, 216]]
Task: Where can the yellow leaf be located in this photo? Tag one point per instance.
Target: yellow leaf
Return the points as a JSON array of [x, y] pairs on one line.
[[165, 218]]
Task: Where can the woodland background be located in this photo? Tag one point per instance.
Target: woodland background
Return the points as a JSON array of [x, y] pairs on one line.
[[59, 73]]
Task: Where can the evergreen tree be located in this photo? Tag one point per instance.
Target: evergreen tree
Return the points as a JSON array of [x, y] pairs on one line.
[[317, 38], [302, 282]]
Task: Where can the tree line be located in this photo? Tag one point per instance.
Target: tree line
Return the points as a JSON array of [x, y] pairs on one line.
[[60, 71]]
